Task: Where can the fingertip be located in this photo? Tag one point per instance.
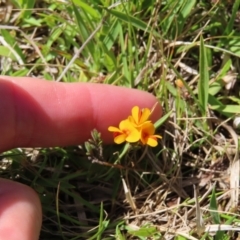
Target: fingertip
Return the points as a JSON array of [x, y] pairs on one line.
[[119, 106], [20, 209]]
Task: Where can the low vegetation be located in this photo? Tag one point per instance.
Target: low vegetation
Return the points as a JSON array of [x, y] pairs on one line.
[[184, 52]]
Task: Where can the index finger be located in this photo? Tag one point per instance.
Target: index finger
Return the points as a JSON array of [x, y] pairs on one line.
[[40, 113]]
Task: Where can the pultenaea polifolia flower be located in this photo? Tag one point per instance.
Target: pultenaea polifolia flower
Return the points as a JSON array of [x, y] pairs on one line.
[[126, 132], [135, 128], [147, 134], [138, 116]]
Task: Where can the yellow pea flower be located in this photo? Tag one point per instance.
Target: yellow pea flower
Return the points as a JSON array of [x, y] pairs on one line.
[[126, 132], [138, 116], [136, 128], [147, 134]]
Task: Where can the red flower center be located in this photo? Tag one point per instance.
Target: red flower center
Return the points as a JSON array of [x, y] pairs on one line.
[[115, 134], [145, 135]]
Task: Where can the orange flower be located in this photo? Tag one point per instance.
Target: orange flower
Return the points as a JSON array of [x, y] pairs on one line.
[[147, 134], [126, 132], [138, 116], [136, 128]]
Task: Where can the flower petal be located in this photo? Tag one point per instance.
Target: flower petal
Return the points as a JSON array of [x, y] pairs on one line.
[[114, 129], [126, 124], [152, 141], [133, 136], [145, 115], [139, 116], [131, 120], [135, 114], [147, 134], [157, 136], [120, 138], [148, 128]]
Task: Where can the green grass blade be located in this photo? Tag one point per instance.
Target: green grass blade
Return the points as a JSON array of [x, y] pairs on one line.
[[87, 8], [83, 30], [158, 123], [203, 84], [185, 10], [227, 108], [112, 34], [233, 16], [12, 42], [215, 215], [139, 24], [171, 14], [213, 206], [118, 234], [26, 6], [5, 52]]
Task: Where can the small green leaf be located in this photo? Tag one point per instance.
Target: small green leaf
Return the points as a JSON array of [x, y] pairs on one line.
[[217, 105], [233, 45], [33, 21], [215, 87], [5, 52], [21, 72], [226, 108], [235, 99], [144, 231], [119, 235]]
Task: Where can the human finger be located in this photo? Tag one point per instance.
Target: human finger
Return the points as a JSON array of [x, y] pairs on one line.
[[40, 113], [20, 211]]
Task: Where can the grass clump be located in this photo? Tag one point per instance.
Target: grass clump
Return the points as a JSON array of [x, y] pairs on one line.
[[184, 52]]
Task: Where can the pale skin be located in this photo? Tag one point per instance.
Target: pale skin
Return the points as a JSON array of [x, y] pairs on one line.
[[40, 113]]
